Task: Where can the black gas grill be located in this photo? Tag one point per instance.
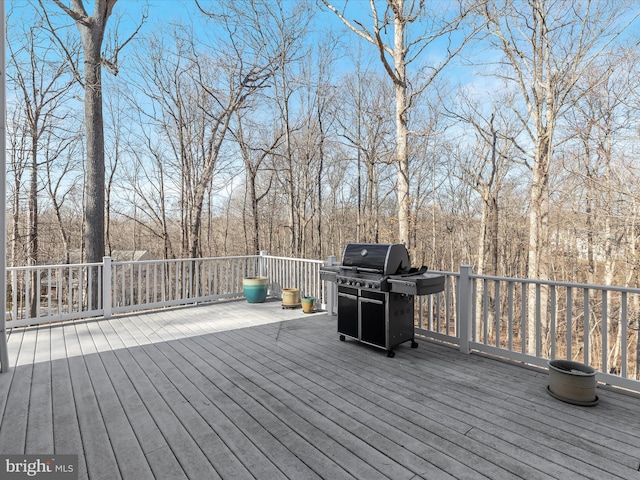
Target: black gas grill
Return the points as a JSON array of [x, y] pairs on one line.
[[376, 288]]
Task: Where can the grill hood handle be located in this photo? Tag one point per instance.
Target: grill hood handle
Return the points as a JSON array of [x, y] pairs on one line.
[[414, 271]]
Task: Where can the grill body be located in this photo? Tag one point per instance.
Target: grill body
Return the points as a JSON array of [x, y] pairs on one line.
[[376, 288], [381, 319]]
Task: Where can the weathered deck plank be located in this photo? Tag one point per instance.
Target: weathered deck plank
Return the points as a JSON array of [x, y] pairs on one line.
[[232, 390]]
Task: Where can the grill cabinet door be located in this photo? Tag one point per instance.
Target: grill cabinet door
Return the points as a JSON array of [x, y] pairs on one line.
[[348, 312], [373, 325]]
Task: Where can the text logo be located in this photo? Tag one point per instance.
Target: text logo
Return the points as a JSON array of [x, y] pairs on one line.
[[43, 467]]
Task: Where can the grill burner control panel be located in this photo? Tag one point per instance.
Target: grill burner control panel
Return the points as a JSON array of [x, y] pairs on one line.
[[371, 282]]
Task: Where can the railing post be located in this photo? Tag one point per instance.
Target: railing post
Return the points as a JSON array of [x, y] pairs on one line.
[[106, 286], [465, 287], [262, 264], [332, 290]]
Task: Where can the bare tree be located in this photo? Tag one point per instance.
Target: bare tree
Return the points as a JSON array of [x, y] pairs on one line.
[[17, 147], [484, 165], [272, 35], [44, 87], [144, 186], [256, 145], [63, 182], [547, 45], [600, 126], [396, 54], [366, 125], [92, 29]]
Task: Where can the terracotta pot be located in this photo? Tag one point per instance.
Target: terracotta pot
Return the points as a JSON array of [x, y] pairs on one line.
[[255, 289], [290, 297], [572, 382]]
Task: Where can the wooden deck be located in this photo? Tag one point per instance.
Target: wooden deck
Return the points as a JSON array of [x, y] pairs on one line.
[[234, 391]]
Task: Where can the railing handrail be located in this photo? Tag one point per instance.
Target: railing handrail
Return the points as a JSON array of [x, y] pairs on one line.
[[54, 266], [557, 283], [184, 260], [302, 260], [138, 262]]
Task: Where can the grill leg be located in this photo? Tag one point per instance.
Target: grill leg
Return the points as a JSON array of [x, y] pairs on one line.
[[414, 344], [391, 353]]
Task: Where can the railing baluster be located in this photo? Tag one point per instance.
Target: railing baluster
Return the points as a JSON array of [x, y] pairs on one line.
[[14, 295], [434, 313], [100, 289], [569, 323], [70, 289], [510, 314], [163, 284], [552, 326], [138, 295], [49, 291], [538, 320], [497, 313], [27, 293], [59, 294], [605, 332], [523, 317], [586, 329], [485, 312], [38, 291], [474, 325], [447, 309], [147, 281], [123, 283], [216, 282], [623, 326], [84, 275]]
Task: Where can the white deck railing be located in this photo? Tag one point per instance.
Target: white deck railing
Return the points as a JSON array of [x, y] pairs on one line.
[[594, 324], [52, 293]]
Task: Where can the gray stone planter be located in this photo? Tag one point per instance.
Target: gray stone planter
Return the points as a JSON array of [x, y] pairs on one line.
[[572, 382]]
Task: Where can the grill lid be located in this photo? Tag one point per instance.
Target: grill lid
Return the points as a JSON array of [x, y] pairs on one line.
[[374, 257]]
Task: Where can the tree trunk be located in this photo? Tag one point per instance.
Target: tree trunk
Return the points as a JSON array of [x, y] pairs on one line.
[[32, 236], [402, 133], [538, 241], [95, 197], [92, 31]]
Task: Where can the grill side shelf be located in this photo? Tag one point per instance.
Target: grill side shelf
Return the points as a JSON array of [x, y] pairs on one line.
[[423, 284], [329, 274]]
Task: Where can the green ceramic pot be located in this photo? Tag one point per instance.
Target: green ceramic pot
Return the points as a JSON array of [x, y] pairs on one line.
[[308, 304], [255, 289]]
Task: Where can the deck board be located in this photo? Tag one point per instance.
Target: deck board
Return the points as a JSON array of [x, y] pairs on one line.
[[487, 407], [234, 391]]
